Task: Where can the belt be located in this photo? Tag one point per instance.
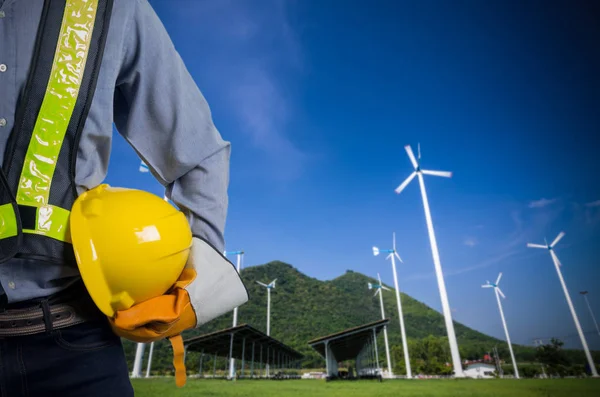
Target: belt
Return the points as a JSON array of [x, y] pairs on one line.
[[46, 316]]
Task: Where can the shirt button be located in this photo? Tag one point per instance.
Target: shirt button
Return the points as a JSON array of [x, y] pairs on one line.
[[11, 285], [2, 67], [2, 122]]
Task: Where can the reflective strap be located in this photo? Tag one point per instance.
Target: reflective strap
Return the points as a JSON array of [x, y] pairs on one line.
[[178, 360], [51, 221], [8, 221], [54, 117]]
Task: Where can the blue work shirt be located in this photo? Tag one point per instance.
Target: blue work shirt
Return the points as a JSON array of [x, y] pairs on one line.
[[146, 90]]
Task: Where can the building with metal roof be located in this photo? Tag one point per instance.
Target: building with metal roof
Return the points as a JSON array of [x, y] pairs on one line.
[[260, 355], [358, 344]]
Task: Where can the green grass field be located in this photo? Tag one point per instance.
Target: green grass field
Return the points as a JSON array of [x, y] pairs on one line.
[[165, 387]]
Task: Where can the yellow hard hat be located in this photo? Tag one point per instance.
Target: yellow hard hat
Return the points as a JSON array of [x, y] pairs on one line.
[[130, 245]]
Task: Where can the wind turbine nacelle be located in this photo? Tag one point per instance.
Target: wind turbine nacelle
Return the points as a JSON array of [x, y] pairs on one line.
[[375, 251]]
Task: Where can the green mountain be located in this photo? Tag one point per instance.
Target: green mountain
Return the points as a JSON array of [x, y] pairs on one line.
[[304, 308]]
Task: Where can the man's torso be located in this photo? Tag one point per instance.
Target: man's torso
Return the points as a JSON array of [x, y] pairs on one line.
[[24, 279]]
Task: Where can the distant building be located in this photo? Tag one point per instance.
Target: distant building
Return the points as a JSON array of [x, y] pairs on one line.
[[480, 370], [314, 375]]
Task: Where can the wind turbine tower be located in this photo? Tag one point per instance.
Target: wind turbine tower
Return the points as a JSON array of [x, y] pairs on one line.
[[240, 255], [584, 293], [240, 258], [378, 288], [499, 293], [557, 264], [458, 371], [269, 287], [393, 254]]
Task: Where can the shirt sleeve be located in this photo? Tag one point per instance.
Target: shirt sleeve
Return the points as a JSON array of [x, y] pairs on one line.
[[161, 112]]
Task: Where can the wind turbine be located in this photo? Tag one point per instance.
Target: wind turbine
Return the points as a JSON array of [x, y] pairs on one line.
[[557, 265], [393, 254], [499, 293], [584, 293], [269, 287], [240, 259], [458, 371], [240, 255], [378, 288]]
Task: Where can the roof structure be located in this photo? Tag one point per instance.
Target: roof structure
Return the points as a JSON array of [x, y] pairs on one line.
[[244, 336], [347, 344]]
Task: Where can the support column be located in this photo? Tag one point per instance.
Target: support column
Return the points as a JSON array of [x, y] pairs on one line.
[[231, 360], [376, 351], [267, 363], [327, 359], [137, 364], [252, 365], [243, 354], [332, 368], [261, 361], [149, 366], [215, 366], [200, 367]]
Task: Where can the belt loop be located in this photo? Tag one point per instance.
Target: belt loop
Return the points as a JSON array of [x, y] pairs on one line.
[[47, 315]]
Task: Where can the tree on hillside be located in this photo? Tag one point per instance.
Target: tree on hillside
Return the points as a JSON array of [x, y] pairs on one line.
[[553, 357]]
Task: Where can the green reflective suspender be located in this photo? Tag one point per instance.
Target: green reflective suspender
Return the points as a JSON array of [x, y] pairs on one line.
[[53, 119], [39, 166], [8, 221]]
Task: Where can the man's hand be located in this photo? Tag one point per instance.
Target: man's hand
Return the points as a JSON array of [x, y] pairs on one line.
[[165, 316], [160, 317]]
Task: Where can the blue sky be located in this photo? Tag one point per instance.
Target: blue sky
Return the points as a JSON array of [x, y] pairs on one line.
[[318, 99]]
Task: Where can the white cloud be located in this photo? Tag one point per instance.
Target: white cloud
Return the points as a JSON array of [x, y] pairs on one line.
[[593, 204], [251, 56], [541, 203], [492, 260], [470, 242]]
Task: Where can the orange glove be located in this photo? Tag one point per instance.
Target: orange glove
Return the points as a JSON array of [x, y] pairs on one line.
[[208, 287], [165, 316]]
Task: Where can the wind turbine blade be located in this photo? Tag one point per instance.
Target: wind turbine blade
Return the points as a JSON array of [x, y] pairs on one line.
[[419, 150], [376, 292], [394, 240], [486, 286], [499, 277], [501, 294], [389, 256], [379, 278], [273, 283], [557, 239], [405, 183], [375, 251], [385, 288], [555, 258], [398, 256], [536, 246], [445, 174], [411, 156], [263, 284]]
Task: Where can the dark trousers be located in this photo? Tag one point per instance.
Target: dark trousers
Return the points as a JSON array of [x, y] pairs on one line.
[[81, 360]]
